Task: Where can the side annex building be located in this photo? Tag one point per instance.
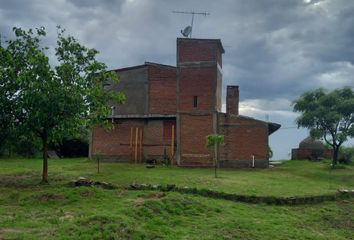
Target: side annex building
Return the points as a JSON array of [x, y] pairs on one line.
[[170, 111]]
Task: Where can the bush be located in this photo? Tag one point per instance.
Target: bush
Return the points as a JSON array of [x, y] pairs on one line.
[[346, 155], [20, 146], [73, 148]]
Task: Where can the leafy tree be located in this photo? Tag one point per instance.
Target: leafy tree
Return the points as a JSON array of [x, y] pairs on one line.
[[329, 115], [213, 142], [48, 101], [8, 90]]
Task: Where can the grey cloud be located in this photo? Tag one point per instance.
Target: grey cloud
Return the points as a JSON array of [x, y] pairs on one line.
[[275, 49]]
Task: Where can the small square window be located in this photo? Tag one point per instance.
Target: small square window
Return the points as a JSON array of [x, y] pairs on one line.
[[195, 101]]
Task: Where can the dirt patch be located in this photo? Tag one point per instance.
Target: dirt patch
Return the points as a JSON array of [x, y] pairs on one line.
[[20, 180], [9, 230], [27, 179], [6, 231], [152, 196], [87, 193], [156, 195], [66, 217], [50, 197], [344, 219]]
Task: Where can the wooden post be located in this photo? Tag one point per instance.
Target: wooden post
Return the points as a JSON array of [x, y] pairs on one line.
[[136, 145], [141, 145], [131, 145], [172, 144]]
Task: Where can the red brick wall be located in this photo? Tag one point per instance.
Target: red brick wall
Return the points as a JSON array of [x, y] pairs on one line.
[[162, 90], [219, 58], [310, 154], [232, 100], [154, 143], [244, 137], [198, 82], [115, 145], [196, 50], [197, 76], [194, 130]]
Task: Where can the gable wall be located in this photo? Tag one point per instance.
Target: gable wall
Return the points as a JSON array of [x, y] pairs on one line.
[[243, 138]]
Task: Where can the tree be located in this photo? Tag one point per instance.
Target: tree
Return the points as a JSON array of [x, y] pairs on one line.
[[329, 115], [213, 142], [54, 101], [8, 90]]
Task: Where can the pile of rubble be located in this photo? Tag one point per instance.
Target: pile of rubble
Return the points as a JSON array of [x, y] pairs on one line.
[[82, 181]]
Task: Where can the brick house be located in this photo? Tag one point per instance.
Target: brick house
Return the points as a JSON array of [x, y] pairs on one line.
[[311, 149], [170, 110]]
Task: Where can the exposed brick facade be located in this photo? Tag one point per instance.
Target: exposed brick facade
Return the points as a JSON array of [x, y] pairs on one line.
[[245, 139], [195, 50], [182, 105], [162, 90], [197, 76], [232, 100], [310, 154], [115, 145], [194, 129]]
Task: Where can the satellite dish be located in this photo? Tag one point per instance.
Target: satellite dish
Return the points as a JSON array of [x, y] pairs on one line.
[[186, 31]]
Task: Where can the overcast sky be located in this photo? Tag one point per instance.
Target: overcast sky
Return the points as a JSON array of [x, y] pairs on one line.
[[274, 49]]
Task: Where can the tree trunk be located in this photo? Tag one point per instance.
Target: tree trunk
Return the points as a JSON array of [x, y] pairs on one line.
[[45, 158], [335, 156], [215, 160]]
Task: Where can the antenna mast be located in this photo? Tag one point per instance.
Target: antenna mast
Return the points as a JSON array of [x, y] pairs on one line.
[[191, 26]]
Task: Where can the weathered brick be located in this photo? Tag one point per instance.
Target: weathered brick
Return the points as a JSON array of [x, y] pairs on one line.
[[189, 98]]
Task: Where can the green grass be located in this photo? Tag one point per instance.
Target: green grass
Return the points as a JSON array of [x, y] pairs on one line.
[[56, 211]]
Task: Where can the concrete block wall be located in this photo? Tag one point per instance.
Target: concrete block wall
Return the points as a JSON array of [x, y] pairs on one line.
[[134, 84]]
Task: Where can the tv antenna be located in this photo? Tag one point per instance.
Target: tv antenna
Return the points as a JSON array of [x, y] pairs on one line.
[[187, 31]]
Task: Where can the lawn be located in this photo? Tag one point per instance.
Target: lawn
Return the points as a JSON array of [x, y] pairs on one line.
[[57, 211]]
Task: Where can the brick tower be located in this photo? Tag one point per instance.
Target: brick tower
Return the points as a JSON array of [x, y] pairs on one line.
[[199, 83]]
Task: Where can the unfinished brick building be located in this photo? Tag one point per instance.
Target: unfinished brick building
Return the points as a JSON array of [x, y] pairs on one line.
[[170, 110]]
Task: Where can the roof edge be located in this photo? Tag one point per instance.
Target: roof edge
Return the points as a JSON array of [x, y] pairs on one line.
[[146, 64], [272, 127], [204, 39]]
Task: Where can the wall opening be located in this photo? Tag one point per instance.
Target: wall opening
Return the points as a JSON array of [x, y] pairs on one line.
[[195, 101], [167, 129]]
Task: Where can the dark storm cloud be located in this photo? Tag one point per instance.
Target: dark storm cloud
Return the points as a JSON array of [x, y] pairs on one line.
[[108, 4], [280, 46]]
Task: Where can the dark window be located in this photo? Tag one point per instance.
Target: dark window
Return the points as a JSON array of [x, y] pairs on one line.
[[195, 101]]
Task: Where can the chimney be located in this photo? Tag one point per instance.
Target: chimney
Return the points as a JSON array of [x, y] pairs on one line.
[[232, 98]]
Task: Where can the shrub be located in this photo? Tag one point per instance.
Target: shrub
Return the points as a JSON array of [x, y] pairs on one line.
[[73, 148], [346, 155]]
